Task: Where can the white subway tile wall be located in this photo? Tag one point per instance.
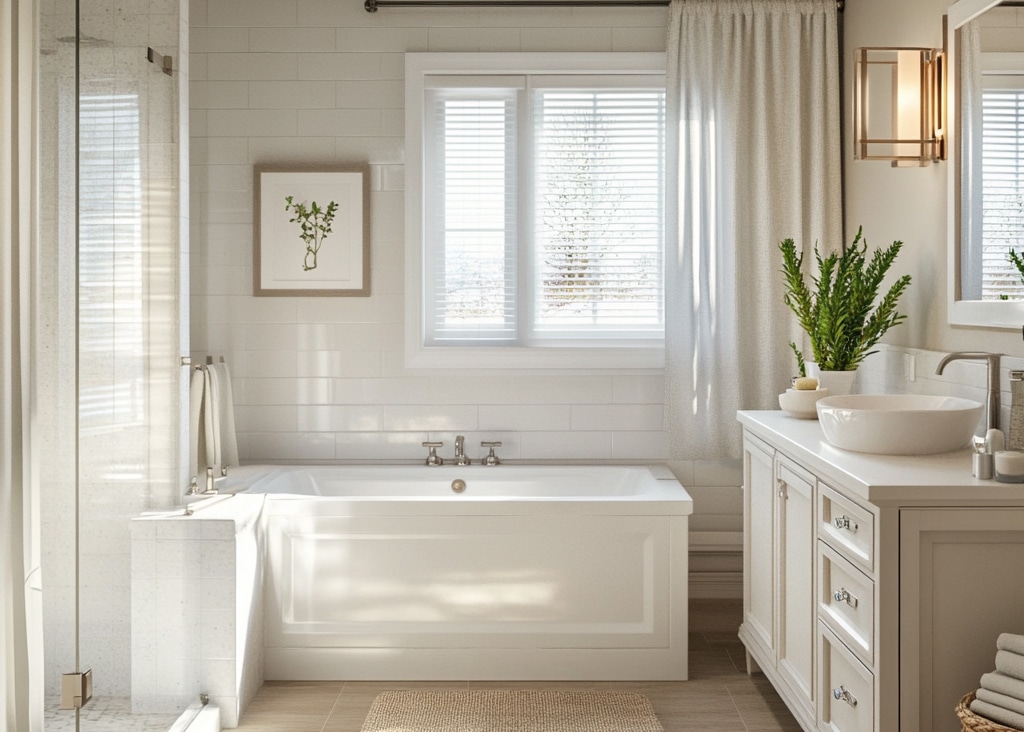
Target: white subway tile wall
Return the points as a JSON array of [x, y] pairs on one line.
[[323, 379], [322, 81]]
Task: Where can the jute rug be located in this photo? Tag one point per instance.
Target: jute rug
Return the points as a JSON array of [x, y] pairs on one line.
[[457, 710]]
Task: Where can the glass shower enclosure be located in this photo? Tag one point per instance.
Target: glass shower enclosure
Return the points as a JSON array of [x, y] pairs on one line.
[[112, 323]]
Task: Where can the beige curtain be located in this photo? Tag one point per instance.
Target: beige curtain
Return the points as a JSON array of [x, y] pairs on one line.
[[20, 596], [754, 158]]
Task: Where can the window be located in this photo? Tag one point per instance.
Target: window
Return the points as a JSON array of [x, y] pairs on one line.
[[535, 209], [1002, 174]]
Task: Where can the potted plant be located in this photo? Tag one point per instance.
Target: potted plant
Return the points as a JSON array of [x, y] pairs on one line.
[[840, 310]]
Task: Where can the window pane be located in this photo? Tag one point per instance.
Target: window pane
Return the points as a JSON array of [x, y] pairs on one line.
[[1002, 191], [598, 210], [471, 201]]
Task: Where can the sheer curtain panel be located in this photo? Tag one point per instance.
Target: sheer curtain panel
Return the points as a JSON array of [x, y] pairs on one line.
[[20, 602], [753, 158]]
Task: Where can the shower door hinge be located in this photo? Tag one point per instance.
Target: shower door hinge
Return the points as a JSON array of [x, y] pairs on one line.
[[165, 63], [75, 690]]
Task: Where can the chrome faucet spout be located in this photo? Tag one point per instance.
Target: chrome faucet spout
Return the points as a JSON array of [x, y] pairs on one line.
[[460, 450], [992, 360]]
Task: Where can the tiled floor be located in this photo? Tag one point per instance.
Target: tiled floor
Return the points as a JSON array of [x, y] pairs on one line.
[[719, 697]]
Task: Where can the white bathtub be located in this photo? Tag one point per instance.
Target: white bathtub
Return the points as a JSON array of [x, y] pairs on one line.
[[529, 573]]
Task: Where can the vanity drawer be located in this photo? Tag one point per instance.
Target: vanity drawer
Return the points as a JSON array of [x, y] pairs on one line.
[[846, 690], [848, 528], [846, 602]]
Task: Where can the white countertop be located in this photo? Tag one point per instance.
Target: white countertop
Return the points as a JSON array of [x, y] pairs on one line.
[[885, 480]]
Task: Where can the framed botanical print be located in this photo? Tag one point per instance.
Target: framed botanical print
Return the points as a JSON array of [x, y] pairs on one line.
[[311, 231]]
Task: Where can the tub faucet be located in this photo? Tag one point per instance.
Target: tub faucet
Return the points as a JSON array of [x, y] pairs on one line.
[[992, 359], [460, 451]]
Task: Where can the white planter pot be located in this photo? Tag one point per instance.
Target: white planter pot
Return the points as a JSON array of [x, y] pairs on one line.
[[838, 383]]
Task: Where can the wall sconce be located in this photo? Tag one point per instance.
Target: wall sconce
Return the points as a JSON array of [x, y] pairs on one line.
[[899, 111]]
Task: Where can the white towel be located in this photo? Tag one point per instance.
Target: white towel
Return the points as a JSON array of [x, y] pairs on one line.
[[1001, 700], [201, 432], [1011, 642], [997, 714], [195, 410], [213, 404], [1003, 684], [226, 415], [209, 446], [1010, 663]]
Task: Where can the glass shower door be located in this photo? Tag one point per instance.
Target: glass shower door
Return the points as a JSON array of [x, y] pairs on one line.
[[111, 151]]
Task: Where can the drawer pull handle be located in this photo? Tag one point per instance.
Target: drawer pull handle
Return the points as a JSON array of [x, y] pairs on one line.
[[845, 522], [842, 693], [843, 595]]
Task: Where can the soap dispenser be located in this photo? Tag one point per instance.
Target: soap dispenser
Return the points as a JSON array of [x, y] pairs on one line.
[[1015, 436]]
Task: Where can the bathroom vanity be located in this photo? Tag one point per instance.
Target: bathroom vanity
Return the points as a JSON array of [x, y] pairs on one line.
[[874, 586]]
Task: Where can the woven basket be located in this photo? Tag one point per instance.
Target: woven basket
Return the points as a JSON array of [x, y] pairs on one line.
[[971, 722]]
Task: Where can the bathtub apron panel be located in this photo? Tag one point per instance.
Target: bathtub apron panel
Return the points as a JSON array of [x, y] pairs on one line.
[[475, 597]]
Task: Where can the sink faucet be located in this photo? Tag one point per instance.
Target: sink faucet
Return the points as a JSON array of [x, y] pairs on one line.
[[460, 451], [992, 359]]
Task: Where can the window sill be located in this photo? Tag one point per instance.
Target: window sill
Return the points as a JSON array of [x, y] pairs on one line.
[[579, 359]]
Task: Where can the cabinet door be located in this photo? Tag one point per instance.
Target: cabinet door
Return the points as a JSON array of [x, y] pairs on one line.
[[796, 598], [759, 545], [960, 587]]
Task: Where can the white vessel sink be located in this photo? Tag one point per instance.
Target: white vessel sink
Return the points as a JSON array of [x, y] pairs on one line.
[[898, 424]]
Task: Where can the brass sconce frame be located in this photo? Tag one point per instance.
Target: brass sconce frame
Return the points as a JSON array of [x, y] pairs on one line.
[[899, 105]]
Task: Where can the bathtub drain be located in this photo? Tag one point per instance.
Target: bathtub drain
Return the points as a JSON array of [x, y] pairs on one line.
[[458, 485]]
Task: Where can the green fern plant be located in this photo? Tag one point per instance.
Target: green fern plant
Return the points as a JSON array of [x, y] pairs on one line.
[[841, 311]]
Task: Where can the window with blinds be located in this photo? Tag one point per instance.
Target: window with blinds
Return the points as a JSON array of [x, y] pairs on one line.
[[543, 218], [1002, 191]]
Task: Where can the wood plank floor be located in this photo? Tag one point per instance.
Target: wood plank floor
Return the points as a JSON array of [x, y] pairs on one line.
[[719, 697]]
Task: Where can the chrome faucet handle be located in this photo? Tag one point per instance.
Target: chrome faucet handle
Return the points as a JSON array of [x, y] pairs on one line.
[[491, 458], [432, 457]]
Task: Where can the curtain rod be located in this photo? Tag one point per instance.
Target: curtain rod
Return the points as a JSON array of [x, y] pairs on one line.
[[371, 6]]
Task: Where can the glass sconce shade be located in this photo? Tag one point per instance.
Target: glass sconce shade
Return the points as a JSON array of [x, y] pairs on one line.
[[899, 105]]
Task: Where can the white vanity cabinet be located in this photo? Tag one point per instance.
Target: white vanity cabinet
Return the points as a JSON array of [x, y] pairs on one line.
[[874, 586]]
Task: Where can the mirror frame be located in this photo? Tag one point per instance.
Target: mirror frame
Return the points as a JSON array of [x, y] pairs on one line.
[[980, 313]]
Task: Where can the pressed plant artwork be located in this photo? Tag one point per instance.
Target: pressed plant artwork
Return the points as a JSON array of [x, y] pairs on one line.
[[315, 225]]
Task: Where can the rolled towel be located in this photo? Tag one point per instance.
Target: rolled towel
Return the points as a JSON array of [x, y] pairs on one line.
[[997, 714], [1010, 663], [1011, 642], [1003, 684], [1001, 700]]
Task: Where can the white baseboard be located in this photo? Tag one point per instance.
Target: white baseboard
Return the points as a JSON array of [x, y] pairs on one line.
[[716, 585]]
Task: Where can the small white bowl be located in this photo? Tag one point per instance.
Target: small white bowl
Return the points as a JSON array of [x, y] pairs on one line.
[[802, 403]]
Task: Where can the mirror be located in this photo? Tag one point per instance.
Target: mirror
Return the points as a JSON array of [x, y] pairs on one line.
[[986, 183]]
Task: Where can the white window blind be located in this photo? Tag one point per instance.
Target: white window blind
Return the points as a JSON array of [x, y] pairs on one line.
[[470, 185], [1002, 191], [543, 210], [598, 210]]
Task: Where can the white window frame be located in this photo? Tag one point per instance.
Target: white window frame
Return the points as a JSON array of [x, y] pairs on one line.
[[419, 66]]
